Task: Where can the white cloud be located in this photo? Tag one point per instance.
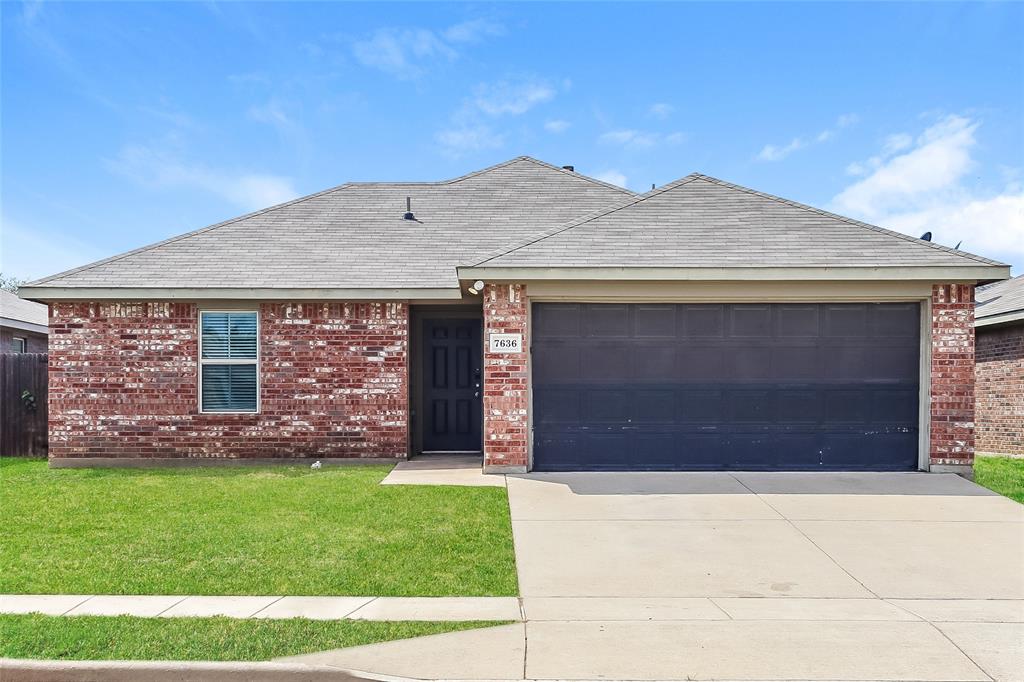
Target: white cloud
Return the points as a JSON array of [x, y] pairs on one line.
[[470, 129], [473, 31], [407, 52], [923, 189], [896, 143], [939, 160], [401, 52], [612, 176], [152, 167], [468, 139], [511, 97], [772, 152], [639, 139], [661, 110], [556, 126]]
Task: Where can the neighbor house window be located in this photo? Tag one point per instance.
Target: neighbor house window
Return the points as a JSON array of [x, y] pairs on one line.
[[229, 361], [19, 345]]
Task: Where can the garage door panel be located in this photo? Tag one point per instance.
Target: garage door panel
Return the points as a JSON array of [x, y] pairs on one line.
[[751, 362], [748, 321], [746, 386], [655, 321], [847, 406], [699, 363], [557, 406], [554, 320], [793, 363], [654, 406], [699, 405], [797, 320], [603, 406], [606, 362], [895, 405], [846, 320], [897, 320], [656, 362], [703, 321], [798, 406], [558, 363], [606, 320]]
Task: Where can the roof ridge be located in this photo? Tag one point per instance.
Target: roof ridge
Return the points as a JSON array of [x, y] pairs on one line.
[[564, 227], [186, 235], [851, 221], [576, 174]]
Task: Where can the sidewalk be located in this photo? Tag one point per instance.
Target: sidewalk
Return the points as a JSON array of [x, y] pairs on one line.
[[315, 608]]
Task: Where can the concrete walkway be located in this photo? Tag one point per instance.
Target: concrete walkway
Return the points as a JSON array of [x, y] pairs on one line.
[[745, 576], [315, 608]]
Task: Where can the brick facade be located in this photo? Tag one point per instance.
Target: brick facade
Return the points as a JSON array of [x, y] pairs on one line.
[[506, 381], [952, 376], [124, 383], [999, 373]]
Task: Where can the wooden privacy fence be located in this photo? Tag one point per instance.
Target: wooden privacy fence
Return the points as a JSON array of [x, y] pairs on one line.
[[23, 404]]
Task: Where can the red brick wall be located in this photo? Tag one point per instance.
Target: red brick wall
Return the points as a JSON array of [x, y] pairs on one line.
[[506, 379], [1000, 388], [124, 383], [952, 383]]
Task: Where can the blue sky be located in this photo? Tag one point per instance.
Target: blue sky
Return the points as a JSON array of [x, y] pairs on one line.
[[127, 123]]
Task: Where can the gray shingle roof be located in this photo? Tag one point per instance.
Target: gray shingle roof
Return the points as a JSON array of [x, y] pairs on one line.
[[14, 308], [700, 221], [1000, 302], [354, 236], [520, 213]]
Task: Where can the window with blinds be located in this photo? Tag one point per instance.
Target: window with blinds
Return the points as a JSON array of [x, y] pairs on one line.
[[229, 361]]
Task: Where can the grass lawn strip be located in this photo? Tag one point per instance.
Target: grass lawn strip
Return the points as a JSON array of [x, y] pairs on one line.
[[1005, 475], [249, 531], [128, 638]]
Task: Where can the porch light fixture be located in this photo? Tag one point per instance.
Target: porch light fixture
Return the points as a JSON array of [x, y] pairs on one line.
[[477, 287]]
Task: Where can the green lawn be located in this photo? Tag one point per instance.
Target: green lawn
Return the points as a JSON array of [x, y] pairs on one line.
[[195, 639], [1001, 474], [282, 530]]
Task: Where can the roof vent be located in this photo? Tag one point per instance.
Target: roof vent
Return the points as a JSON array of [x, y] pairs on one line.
[[408, 209], [571, 169], [927, 236]]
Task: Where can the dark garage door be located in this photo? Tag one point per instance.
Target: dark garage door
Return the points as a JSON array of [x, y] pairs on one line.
[[738, 386]]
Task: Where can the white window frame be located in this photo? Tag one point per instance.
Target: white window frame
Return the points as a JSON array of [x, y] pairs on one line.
[[231, 361], [14, 344]]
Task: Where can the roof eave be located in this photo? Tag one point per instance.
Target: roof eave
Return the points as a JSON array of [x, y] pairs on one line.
[[21, 325], [961, 273], [58, 293], [1009, 317]]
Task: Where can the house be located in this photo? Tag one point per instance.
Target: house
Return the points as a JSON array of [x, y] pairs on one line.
[[22, 325], [999, 372], [547, 319]]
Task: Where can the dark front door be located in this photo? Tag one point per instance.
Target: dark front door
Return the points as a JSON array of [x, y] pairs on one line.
[[452, 384], [768, 386]]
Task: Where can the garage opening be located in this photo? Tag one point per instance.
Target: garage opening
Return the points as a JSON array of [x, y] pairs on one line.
[[770, 386]]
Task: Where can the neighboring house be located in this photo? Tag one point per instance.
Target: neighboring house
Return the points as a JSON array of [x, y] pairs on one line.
[[552, 321], [23, 325], [999, 326]]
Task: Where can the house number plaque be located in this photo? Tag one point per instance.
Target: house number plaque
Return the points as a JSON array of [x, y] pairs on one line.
[[505, 343]]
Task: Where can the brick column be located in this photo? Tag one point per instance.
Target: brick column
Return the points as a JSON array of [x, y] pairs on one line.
[[506, 382], [952, 379]]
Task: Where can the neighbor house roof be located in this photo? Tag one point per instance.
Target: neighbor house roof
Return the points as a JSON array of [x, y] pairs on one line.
[[21, 314], [519, 217], [1000, 302], [702, 223]]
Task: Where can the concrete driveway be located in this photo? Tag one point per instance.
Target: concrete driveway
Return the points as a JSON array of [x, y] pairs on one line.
[[747, 576]]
